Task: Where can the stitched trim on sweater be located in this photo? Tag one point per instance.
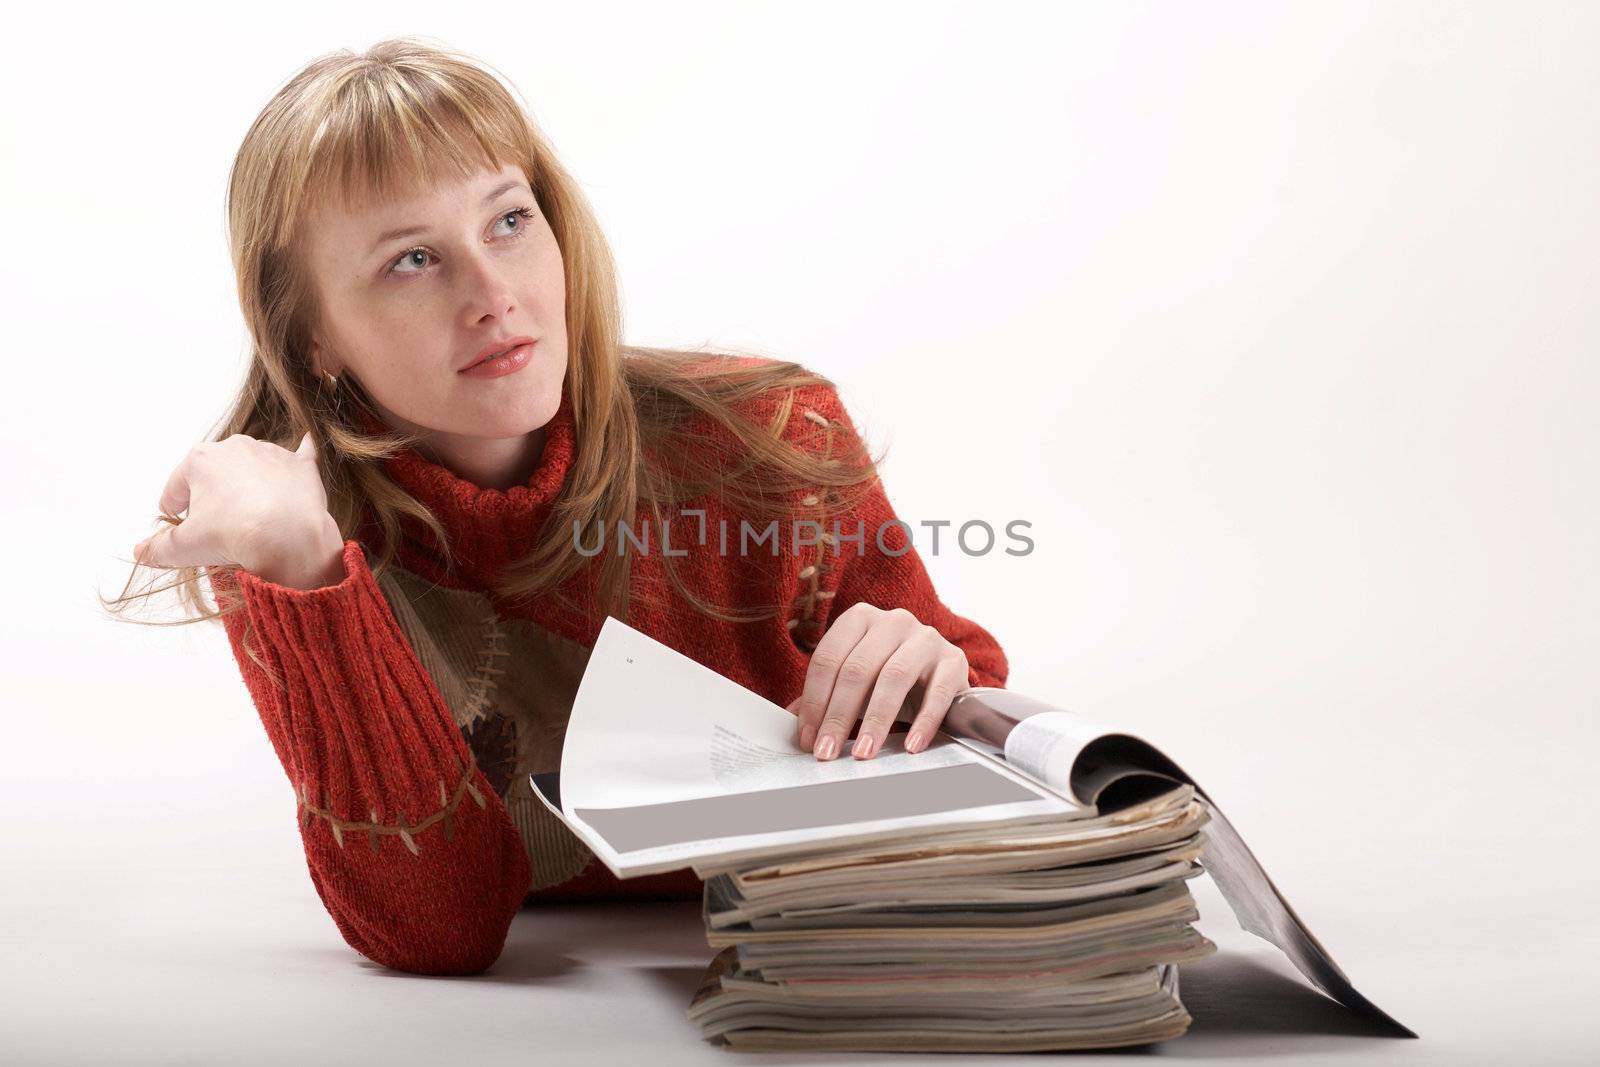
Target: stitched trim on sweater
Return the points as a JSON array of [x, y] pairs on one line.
[[803, 624], [481, 685], [373, 828]]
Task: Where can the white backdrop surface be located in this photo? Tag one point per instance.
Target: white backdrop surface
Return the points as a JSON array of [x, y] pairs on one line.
[[1275, 321]]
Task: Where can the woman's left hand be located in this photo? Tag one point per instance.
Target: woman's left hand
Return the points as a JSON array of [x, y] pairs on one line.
[[868, 651]]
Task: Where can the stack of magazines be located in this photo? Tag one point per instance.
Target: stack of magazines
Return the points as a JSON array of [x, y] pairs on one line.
[[1064, 935], [1019, 885]]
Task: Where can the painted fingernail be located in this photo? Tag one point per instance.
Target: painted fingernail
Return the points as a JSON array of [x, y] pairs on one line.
[[915, 741], [828, 747], [863, 749], [808, 736]]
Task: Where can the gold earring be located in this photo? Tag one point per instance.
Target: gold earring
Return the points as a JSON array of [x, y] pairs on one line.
[[337, 400]]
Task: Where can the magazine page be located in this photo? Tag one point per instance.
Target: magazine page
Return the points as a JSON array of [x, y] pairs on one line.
[[1097, 764], [1105, 767], [668, 764]]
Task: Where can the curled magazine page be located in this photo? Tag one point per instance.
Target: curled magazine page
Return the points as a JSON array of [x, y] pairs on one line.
[[1032, 736], [1108, 768]]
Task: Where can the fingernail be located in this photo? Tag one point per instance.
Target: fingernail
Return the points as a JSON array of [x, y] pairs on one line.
[[915, 742], [138, 548], [863, 749], [828, 747], [808, 736]]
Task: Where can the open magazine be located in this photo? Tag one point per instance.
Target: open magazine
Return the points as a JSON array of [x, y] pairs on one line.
[[668, 764]]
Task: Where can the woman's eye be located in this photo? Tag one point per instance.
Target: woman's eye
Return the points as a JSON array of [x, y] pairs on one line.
[[410, 258], [518, 217]]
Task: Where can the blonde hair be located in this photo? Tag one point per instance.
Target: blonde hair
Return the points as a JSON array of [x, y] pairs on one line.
[[407, 112]]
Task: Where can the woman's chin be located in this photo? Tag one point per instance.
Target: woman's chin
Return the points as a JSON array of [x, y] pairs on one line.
[[514, 420]]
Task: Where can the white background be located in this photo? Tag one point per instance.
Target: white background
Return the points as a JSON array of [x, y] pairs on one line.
[[1277, 322]]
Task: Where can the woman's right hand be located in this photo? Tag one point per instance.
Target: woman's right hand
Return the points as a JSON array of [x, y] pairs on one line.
[[251, 503]]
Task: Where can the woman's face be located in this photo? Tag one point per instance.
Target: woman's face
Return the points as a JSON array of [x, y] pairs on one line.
[[404, 312]]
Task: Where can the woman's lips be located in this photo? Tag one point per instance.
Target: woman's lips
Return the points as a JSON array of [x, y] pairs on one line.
[[500, 366], [499, 348]]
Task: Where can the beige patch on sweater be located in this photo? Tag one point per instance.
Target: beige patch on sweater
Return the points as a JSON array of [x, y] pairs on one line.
[[486, 666]]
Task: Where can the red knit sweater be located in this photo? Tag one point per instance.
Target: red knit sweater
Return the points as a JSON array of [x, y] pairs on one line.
[[409, 843]]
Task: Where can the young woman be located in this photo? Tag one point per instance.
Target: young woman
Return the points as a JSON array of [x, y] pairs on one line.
[[445, 469]]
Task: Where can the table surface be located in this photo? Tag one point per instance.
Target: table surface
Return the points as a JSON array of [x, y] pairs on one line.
[[157, 911], [239, 964]]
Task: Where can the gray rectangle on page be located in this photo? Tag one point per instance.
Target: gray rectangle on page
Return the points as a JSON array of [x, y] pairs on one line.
[[801, 807]]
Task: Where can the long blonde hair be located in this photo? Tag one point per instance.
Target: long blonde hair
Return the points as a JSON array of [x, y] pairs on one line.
[[405, 112]]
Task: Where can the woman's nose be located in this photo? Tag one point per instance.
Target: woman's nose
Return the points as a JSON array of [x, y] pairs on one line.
[[487, 291]]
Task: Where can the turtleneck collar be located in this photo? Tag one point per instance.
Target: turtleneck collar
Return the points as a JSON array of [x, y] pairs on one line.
[[487, 528]]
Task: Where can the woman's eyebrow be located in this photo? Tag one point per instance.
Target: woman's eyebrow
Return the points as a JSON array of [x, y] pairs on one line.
[[409, 231]]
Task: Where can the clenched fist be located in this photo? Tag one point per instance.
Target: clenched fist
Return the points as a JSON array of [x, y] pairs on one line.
[[250, 503]]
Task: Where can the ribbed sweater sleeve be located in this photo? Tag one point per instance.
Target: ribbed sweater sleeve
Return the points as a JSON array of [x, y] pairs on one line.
[[894, 576], [411, 851]]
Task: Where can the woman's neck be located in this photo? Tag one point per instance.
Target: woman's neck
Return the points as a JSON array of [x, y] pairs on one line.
[[487, 462]]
